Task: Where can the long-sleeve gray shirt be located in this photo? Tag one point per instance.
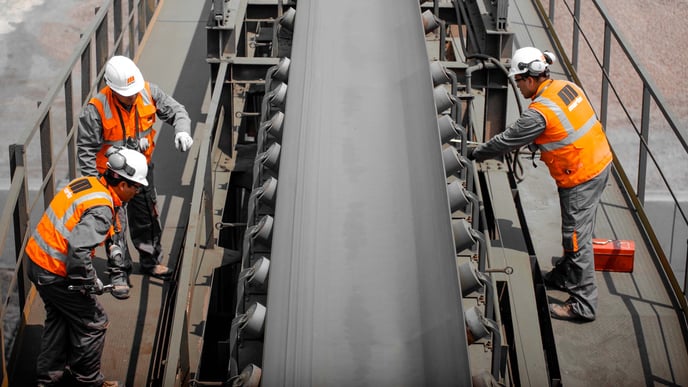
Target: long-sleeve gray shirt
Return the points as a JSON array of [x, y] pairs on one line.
[[90, 138], [86, 235], [522, 132]]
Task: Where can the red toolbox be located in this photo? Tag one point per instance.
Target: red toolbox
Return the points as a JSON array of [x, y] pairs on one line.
[[613, 255]]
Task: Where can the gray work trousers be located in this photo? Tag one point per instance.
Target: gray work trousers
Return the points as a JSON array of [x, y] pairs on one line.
[[73, 334], [141, 218], [578, 209]]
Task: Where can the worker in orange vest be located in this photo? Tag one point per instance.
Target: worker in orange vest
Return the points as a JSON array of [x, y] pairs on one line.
[[60, 252], [123, 114], [562, 124]]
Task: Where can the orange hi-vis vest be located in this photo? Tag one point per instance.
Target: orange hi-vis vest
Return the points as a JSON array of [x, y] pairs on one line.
[[48, 247], [119, 124], [573, 145]]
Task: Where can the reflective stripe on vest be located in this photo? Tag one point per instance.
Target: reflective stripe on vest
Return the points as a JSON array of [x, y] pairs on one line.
[[573, 144], [113, 134], [48, 246], [572, 134]]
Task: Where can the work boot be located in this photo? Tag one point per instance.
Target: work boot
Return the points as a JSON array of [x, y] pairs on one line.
[[157, 271], [566, 312], [554, 279], [565, 275], [112, 383], [120, 286]]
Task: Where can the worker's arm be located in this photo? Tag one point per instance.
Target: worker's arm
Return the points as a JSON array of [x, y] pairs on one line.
[[170, 111], [89, 140], [90, 232], [522, 132]]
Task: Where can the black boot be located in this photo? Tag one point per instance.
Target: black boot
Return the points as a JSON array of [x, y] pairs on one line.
[[565, 274]]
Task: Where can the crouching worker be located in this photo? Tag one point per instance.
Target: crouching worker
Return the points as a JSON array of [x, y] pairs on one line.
[[60, 252]]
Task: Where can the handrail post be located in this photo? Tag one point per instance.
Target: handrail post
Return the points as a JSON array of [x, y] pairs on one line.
[[21, 217], [644, 140], [86, 71], [685, 275], [133, 42], [102, 46], [606, 66], [46, 143], [117, 23], [69, 123], [576, 33]]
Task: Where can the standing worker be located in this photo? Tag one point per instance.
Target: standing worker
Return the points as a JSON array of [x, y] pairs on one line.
[[123, 114], [561, 122], [60, 251]]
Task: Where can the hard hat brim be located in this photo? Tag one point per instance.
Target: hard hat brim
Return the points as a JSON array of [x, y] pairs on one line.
[[513, 71], [130, 90], [142, 181]]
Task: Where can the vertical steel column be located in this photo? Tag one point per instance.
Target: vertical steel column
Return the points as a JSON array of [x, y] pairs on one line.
[[133, 41], [86, 71], [685, 275], [151, 5], [102, 46], [143, 19], [69, 124], [576, 32], [46, 142], [21, 218], [644, 141], [117, 25], [606, 65]]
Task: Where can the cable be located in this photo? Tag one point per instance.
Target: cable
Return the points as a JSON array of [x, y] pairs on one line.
[[512, 158]]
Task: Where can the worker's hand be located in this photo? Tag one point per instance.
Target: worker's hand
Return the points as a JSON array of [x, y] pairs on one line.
[[86, 288], [183, 141], [98, 286], [470, 148], [144, 144], [115, 252]]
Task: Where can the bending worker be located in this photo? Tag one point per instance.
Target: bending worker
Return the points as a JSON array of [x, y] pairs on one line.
[[123, 114], [60, 251], [561, 122]]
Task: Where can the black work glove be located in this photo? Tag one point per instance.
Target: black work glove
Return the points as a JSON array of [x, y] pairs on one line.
[[469, 151]]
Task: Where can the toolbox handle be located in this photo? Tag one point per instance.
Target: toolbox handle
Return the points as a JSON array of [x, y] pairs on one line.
[[601, 242]]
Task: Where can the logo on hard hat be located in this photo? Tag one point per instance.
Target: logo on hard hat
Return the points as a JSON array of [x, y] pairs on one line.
[[130, 80]]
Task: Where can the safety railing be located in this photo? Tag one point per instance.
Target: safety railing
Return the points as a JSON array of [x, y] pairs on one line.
[[45, 158], [199, 232], [642, 129]]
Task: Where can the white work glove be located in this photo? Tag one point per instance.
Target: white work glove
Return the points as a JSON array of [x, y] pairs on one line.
[[144, 144], [183, 141]]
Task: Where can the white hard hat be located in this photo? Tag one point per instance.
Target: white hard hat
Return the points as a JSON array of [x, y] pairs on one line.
[[123, 77], [128, 163], [530, 60]]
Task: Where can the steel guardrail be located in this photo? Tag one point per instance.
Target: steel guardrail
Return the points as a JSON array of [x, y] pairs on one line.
[[650, 92], [123, 35]]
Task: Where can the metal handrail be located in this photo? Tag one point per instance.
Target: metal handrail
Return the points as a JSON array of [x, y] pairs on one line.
[[124, 37], [177, 366], [650, 94]]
